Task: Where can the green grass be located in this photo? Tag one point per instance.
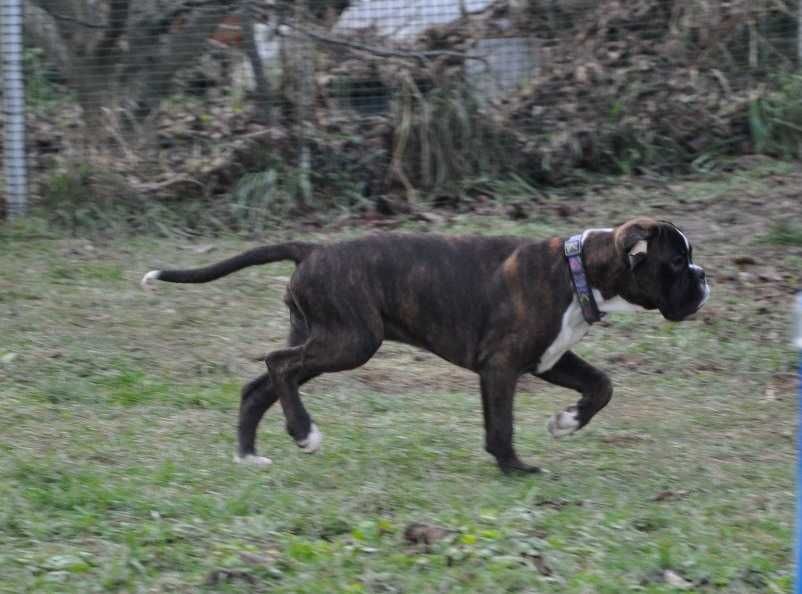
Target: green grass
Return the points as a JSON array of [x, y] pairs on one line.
[[784, 233], [117, 416]]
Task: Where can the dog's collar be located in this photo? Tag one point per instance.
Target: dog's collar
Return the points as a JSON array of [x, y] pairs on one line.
[[584, 294]]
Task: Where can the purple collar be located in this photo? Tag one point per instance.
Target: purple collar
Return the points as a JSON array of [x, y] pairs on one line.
[[573, 253]]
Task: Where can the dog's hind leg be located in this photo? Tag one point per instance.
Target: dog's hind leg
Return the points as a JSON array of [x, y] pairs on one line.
[[257, 396], [594, 385], [330, 348]]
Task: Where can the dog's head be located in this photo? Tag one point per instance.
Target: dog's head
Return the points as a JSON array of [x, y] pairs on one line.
[[661, 274]]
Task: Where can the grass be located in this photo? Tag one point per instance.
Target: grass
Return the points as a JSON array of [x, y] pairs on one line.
[[117, 413], [784, 233]]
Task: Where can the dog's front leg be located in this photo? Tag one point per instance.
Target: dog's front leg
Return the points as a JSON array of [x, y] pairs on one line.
[[594, 385], [498, 394]]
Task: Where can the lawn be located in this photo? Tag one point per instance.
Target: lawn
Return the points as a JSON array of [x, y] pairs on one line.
[[118, 407]]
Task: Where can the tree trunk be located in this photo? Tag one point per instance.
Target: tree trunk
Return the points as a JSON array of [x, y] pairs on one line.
[[159, 63], [84, 39], [263, 91]]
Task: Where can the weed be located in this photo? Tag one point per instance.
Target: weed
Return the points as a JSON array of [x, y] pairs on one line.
[[784, 233], [441, 138], [775, 119], [42, 86]]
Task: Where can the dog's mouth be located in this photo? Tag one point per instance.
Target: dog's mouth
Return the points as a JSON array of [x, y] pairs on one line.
[[680, 316], [705, 297]]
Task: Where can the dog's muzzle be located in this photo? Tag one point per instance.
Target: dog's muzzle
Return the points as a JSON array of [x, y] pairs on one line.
[[700, 273]]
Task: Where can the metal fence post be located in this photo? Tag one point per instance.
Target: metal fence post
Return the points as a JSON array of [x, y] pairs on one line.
[[11, 12]]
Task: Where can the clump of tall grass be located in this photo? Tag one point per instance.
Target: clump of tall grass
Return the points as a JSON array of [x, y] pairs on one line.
[[775, 119], [443, 137]]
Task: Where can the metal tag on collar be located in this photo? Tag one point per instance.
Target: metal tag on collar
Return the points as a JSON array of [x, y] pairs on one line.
[[573, 246]]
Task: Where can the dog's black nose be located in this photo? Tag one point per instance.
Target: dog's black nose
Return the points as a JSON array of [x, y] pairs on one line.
[[701, 274]]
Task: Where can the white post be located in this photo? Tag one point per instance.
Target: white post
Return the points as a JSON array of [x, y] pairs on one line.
[[796, 340], [13, 107]]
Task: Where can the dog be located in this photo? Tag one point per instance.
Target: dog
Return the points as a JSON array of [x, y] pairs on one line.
[[498, 306]]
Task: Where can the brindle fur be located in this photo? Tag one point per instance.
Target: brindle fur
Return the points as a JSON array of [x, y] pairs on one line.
[[489, 304]]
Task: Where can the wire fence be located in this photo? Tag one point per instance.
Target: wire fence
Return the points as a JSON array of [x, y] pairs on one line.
[[267, 108]]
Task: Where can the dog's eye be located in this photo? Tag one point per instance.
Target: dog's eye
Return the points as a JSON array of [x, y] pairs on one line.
[[678, 261]]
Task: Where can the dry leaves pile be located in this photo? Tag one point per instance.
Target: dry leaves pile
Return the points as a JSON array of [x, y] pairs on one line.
[[651, 82]]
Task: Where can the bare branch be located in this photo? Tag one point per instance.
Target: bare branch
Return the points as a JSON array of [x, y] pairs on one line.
[[76, 21], [423, 57], [161, 26]]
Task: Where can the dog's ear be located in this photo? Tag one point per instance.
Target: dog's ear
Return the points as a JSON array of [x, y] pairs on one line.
[[632, 239]]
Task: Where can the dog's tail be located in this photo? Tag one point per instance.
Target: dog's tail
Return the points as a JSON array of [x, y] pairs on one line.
[[292, 250]]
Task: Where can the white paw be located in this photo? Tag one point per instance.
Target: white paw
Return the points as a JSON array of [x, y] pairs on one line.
[[563, 423], [311, 443], [253, 460], [147, 280]]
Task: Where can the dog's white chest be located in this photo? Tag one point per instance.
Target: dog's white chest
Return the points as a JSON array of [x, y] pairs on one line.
[[573, 329]]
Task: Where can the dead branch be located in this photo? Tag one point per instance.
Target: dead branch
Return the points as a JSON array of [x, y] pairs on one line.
[[157, 186], [423, 57], [77, 21]]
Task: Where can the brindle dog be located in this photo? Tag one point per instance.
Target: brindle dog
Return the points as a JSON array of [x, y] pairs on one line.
[[499, 306]]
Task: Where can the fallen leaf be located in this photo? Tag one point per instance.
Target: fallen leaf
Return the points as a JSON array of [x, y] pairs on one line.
[[744, 260], [563, 211], [670, 495], [675, 580], [70, 563], [429, 217], [539, 563], [781, 385], [770, 274], [220, 576], [558, 503], [254, 559], [708, 366], [427, 534], [517, 212], [621, 439], [754, 578]]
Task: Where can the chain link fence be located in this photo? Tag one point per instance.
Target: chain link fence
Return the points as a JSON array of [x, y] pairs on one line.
[[233, 114]]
